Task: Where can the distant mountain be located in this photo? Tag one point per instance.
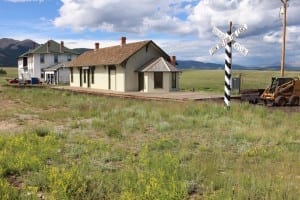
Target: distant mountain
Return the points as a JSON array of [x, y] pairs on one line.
[[191, 64], [10, 49], [81, 50]]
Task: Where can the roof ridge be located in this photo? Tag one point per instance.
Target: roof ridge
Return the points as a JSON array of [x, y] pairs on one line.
[[118, 45], [158, 64]]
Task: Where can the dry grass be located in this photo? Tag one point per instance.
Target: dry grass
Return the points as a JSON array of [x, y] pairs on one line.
[[66, 146]]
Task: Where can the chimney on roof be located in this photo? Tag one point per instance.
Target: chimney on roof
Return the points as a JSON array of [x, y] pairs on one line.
[[123, 41], [173, 60], [97, 45], [48, 46], [61, 48]]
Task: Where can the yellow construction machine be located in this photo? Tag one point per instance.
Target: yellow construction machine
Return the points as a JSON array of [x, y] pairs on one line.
[[282, 91]]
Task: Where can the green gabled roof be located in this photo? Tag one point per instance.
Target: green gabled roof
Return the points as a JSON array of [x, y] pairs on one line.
[[49, 47]]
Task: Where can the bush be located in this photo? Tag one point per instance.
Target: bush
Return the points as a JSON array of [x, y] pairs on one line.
[[154, 176], [3, 72], [42, 132]]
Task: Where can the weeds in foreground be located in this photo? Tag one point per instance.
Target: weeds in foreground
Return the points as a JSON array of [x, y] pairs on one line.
[[106, 148]]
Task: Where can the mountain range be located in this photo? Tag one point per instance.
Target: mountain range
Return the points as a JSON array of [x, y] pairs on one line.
[[191, 64], [11, 49]]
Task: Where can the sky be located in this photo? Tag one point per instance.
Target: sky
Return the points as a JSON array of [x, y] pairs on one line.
[[180, 27]]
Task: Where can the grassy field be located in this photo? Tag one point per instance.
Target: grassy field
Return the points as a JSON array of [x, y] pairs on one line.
[[59, 145], [213, 80]]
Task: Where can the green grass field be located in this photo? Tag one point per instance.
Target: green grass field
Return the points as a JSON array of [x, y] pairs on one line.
[[59, 145], [213, 80]]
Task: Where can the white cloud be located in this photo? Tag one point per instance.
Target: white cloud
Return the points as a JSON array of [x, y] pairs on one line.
[[124, 16], [193, 18], [263, 37]]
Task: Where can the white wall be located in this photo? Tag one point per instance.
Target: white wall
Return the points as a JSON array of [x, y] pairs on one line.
[[100, 78], [35, 66], [167, 82], [136, 61], [22, 73], [76, 80], [64, 75], [120, 79]]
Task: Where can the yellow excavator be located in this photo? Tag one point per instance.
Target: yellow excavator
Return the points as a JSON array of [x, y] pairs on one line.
[[282, 91]]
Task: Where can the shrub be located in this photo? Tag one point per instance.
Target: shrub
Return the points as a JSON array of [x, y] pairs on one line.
[[114, 133], [7, 192], [155, 176], [3, 72], [66, 183], [42, 131]]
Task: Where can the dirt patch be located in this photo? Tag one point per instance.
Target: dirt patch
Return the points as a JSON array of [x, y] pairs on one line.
[[8, 125], [15, 181]]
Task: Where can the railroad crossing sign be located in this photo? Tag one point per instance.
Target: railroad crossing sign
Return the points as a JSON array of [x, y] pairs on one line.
[[227, 41], [225, 38]]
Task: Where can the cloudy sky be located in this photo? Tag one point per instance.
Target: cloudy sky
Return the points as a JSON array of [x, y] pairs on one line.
[[181, 27]]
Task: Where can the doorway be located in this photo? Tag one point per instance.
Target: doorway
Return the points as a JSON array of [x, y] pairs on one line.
[[141, 81], [80, 76]]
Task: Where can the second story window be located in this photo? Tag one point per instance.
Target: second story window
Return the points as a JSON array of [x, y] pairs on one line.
[[69, 57], [25, 63], [42, 58], [55, 58]]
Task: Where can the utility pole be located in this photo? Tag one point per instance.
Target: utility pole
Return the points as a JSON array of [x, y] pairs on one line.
[[284, 2]]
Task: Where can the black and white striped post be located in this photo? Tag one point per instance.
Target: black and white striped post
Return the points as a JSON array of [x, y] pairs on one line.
[[228, 61], [228, 41]]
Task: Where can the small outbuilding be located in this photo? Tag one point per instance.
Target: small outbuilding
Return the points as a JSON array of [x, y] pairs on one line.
[[57, 74]]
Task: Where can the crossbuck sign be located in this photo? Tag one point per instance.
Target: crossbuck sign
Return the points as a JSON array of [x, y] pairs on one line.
[[227, 41]]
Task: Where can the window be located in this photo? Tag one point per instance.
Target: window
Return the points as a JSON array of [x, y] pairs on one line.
[[25, 63], [55, 58], [93, 74], [158, 80], [84, 76], [42, 58], [69, 57], [71, 73], [42, 75], [173, 79]]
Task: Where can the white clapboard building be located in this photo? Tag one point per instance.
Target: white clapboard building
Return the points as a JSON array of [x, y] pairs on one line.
[[46, 62]]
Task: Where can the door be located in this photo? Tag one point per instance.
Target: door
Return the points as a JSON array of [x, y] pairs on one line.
[[141, 81], [112, 77], [80, 76], [88, 78]]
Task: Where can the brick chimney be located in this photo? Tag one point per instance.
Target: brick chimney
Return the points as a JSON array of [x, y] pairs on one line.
[[48, 46], [97, 45], [61, 48], [123, 41], [173, 60]]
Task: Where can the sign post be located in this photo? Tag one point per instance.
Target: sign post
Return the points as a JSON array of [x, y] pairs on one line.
[[228, 41], [228, 59]]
